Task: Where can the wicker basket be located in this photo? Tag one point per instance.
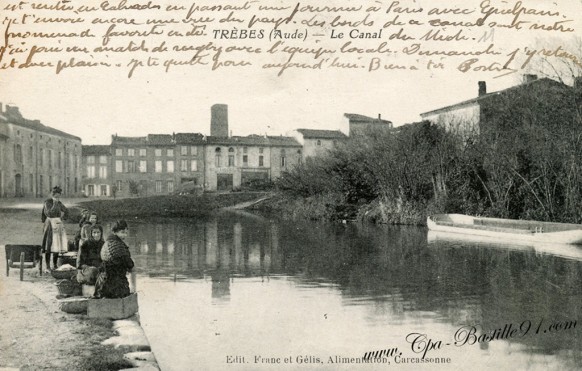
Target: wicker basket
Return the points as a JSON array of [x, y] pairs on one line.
[[73, 305], [63, 275], [68, 288]]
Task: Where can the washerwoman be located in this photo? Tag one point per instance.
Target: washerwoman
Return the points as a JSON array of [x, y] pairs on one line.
[[89, 257], [54, 239], [112, 279]]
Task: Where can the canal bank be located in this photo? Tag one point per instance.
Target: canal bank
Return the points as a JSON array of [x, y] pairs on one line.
[[35, 334]]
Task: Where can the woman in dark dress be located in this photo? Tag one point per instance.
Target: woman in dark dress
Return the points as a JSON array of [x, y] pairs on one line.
[[89, 256], [112, 280], [54, 239]]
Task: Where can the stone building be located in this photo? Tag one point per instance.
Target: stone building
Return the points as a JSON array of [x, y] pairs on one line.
[[156, 163], [34, 157], [159, 164], [317, 142], [232, 162], [533, 99], [362, 125]]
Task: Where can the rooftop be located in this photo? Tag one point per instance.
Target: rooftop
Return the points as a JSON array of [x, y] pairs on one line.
[[354, 117], [527, 85], [96, 150], [13, 116], [322, 134]]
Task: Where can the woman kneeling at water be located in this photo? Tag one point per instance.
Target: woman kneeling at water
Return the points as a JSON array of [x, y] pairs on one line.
[[89, 256], [112, 280]]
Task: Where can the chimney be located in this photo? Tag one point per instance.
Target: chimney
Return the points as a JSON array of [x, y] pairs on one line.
[[482, 88], [379, 116], [527, 78], [219, 120]]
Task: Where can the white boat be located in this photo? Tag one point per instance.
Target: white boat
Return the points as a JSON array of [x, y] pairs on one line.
[[510, 229]]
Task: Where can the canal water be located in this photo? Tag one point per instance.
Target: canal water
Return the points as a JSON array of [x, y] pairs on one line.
[[236, 291]]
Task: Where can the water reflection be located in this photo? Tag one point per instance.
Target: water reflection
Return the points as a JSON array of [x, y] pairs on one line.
[[390, 277]]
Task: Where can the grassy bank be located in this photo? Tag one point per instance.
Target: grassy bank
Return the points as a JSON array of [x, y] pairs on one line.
[[169, 206]]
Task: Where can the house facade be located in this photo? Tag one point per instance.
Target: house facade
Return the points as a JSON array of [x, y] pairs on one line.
[[318, 142], [34, 157], [96, 171], [156, 164]]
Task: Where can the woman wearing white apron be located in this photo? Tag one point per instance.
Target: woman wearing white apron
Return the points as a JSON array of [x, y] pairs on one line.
[[54, 240]]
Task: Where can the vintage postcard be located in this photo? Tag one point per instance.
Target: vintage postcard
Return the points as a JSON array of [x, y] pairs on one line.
[[350, 122]]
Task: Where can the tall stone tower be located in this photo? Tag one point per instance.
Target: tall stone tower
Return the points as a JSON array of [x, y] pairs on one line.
[[219, 120]]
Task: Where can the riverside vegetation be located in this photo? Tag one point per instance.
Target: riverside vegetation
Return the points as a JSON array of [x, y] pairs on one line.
[[525, 162]]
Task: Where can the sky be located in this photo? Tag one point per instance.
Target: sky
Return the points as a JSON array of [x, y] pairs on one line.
[[101, 106], [96, 103]]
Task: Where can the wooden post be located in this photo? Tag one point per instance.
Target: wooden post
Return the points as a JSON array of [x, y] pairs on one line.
[[22, 265], [132, 283]]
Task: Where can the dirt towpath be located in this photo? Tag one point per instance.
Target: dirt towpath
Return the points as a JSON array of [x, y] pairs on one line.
[[34, 333]]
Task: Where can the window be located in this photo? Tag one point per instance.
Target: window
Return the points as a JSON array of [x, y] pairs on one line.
[[170, 166], [50, 182], [170, 186], [231, 156], [103, 172], [260, 150], [170, 152], [103, 190], [283, 158], [261, 163], [184, 150], [194, 165], [158, 166], [142, 152], [102, 159], [40, 183], [118, 185], [217, 157], [318, 142], [158, 152], [118, 166], [41, 158], [158, 186], [31, 183], [143, 167], [245, 149], [193, 150], [183, 165], [60, 161], [245, 160], [91, 171], [17, 153], [90, 159], [76, 161], [131, 152], [91, 190], [131, 166], [30, 154], [118, 151]]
